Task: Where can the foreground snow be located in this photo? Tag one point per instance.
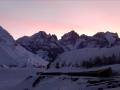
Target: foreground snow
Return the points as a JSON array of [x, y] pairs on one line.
[[114, 89], [12, 77], [28, 79]]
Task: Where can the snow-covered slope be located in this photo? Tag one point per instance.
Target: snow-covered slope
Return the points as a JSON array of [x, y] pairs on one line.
[[14, 54], [76, 57], [64, 82], [5, 37]]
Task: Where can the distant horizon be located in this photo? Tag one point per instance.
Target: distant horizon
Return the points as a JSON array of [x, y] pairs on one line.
[[26, 17], [61, 35]]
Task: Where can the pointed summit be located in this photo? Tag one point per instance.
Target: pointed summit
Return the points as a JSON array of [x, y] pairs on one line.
[[5, 37], [70, 37], [40, 34], [71, 34]]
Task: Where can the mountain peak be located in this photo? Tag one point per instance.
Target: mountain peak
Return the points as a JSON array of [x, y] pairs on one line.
[[5, 37], [84, 36], [112, 34], [69, 35], [40, 34], [102, 34], [109, 36]]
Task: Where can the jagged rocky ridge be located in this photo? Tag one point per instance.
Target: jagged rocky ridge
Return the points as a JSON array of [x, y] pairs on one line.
[[49, 47], [46, 46]]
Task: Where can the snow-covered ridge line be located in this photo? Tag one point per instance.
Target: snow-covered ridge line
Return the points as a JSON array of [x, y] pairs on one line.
[[12, 53]]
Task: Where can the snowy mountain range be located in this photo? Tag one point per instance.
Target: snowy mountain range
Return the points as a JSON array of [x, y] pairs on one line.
[[41, 48], [72, 53], [49, 47]]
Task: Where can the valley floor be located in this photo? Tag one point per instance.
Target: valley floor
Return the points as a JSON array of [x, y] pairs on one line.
[[27, 79], [11, 77]]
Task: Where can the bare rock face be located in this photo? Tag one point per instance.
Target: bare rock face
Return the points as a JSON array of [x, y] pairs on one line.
[[106, 72], [103, 72]]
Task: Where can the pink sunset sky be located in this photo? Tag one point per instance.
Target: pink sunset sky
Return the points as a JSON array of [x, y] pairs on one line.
[[26, 17]]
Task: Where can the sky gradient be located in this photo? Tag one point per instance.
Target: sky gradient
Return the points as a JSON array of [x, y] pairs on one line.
[[26, 17]]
